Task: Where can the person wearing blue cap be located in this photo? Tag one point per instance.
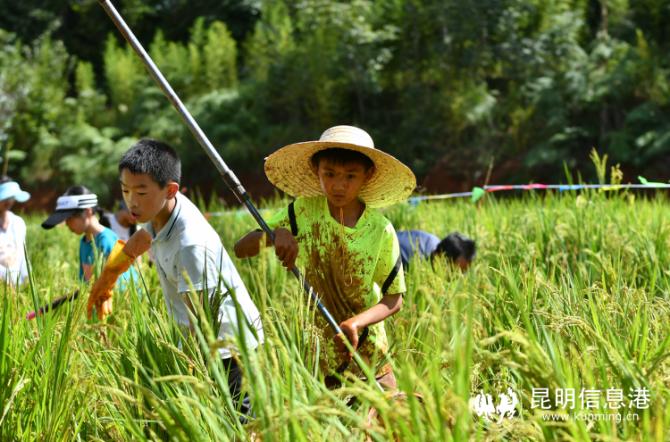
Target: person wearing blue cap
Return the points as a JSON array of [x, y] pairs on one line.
[[13, 268]]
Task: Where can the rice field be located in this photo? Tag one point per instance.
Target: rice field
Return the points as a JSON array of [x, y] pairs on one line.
[[566, 309]]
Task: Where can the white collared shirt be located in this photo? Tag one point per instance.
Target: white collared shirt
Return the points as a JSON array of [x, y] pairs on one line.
[[188, 245], [12, 256]]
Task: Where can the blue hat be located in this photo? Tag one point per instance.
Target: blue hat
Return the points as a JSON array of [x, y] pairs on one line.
[[11, 189]]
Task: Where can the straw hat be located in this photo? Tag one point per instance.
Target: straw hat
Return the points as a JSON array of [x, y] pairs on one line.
[[290, 168]]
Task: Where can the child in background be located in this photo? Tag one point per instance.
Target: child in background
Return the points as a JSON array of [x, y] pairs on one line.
[[78, 207], [13, 268], [122, 222], [456, 247]]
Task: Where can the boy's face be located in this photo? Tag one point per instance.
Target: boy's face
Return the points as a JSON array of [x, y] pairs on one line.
[[342, 182], [6, 204], [450, 265], [77, 223], [462, 263], [143, 196]]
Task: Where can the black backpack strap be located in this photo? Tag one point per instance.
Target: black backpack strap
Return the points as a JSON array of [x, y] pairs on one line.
[[394, 272], [291, 219]]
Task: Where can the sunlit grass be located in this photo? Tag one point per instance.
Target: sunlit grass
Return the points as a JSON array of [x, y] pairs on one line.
[[566, 292]]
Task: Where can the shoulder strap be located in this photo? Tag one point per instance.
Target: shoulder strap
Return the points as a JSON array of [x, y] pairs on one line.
[[394, 272], [291, 218]]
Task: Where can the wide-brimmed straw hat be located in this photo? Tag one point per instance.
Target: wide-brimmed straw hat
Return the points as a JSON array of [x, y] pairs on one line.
[[290, 168]]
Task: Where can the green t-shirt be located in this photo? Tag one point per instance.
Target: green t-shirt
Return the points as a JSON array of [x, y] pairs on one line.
[[350, 268]]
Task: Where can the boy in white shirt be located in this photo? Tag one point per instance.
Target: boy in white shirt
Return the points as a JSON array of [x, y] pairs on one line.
[[187, 252]]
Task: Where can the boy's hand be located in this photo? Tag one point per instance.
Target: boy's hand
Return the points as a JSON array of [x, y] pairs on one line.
[[104, 309], [350, 330], [101, 297], [118, 262], [286, 247]]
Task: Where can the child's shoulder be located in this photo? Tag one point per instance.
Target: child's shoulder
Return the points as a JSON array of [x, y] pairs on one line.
[[309, 202], [378, 221], [106, 235], [16, 219], [309, 209], [191, 227], [188, 214]]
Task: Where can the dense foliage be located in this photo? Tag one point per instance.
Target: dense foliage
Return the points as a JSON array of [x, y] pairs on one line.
[[448, 86]]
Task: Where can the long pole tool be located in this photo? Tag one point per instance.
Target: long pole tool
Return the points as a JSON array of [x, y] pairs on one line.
[[228, 176], [53, 305]]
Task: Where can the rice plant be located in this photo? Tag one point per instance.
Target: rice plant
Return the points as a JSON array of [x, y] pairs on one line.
[[567, 292]]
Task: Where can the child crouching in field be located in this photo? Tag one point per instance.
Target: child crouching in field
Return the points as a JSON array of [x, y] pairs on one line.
[[13, 267], [187, 253], [457, 248], [349, 250], [78, 207]]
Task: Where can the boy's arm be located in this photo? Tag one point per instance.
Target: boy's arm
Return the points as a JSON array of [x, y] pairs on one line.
[[88, 271], [119, 260], [199, 296], [286, 246], [387, 306], [138, 243], [250, 244], [105, 246]]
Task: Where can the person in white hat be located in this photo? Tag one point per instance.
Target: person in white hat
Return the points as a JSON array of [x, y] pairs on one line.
[[78, 208], [13, 268], [348, 249]]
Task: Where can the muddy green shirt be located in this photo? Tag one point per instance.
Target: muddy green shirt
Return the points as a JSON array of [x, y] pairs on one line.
[[350, 268]]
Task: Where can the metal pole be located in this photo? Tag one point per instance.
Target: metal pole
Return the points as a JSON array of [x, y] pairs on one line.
[[228, 176]]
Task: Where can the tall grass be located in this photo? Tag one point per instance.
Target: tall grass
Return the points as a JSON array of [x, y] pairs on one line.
[[566, 292]]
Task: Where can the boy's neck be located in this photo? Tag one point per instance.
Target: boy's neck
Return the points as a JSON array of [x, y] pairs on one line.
[[163, 216], [4, 220], [94, 228], [349, 214]]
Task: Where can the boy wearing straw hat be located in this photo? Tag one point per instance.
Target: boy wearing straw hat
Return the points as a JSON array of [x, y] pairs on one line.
[[348, 249]]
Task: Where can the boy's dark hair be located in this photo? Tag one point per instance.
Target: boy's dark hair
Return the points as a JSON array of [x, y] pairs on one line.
[[340, 156], [456, 245], [83, 190], [154, 158]]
